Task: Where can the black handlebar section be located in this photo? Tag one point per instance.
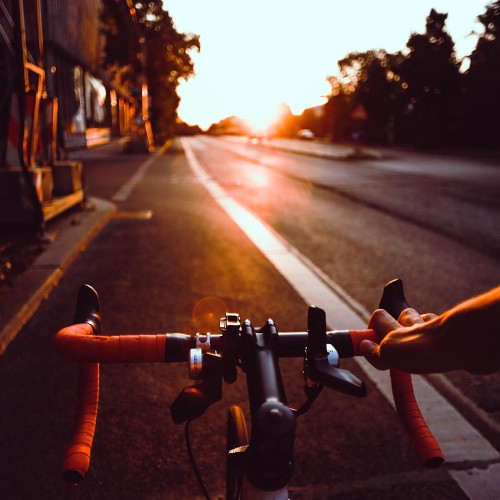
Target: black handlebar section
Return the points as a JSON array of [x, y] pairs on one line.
[[288, 345], [393, 298], [88, 308]]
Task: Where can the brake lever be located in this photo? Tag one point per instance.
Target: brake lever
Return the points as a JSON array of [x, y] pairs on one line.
[[321, 366]]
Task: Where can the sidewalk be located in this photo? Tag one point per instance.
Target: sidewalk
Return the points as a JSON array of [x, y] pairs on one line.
[[313, 148], [72, 233], [324, 150]]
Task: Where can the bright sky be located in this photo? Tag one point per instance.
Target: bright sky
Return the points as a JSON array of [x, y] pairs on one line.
[[260, 53]]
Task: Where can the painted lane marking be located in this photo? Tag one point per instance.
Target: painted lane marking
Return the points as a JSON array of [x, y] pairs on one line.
[[480, 484], [124, 192], [459, 440]]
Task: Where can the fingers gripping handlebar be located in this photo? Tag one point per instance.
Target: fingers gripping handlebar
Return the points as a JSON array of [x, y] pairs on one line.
[[424, 444], [81, 342]]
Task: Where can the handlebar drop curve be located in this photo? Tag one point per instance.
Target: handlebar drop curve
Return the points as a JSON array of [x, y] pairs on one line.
[[77, 458]]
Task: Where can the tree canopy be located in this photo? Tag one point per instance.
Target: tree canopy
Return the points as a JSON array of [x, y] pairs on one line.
[[483, 81], [431, 72], [142, 44], [420, 96]]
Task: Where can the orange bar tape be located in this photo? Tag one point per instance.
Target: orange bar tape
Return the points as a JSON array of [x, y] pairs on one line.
[[76, 342], [424, 444], [358, 335], [77, 458]]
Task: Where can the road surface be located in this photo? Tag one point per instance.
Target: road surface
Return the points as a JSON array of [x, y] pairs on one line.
[[172, 259]]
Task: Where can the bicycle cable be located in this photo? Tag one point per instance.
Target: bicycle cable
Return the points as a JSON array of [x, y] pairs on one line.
[[193, 462], [312, 393]]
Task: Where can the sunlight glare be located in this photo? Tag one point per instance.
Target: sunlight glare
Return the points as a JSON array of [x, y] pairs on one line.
[[259, 114], [285, 55], [258, 177]]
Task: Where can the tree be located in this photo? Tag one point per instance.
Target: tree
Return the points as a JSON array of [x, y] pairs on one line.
[[483, 81], [182, 128], [338, 110], [372, 81], [286, 124], [232, 125], [143, 43], [168, 61], [313, 119], [121, 46], [433, 84]]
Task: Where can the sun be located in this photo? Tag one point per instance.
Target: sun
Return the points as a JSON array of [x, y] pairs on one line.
[[260, 115]]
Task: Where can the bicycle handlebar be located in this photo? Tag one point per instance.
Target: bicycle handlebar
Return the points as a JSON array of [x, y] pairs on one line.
[[424, 444], [78, 342]]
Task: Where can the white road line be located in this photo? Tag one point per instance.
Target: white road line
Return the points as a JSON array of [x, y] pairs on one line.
[[124, 192], [481, 484], [458, 439]]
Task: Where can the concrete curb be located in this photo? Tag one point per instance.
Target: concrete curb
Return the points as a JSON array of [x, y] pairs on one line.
[[35, 285], [361, 154]]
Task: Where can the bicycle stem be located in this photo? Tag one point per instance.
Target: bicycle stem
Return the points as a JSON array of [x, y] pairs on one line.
[[269, 457]]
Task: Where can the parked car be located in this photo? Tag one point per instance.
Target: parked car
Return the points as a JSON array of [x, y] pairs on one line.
[[257, 136], [305, 134]]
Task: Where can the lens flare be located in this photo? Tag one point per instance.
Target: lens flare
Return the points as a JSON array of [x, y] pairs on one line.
[[207, 313]]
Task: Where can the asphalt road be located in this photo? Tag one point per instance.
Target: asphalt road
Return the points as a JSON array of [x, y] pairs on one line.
[[169, 252]]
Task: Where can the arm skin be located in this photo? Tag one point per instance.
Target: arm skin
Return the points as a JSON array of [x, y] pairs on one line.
[[466, 337]]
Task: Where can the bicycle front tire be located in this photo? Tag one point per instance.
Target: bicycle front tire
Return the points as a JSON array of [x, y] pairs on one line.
[[237, 435]]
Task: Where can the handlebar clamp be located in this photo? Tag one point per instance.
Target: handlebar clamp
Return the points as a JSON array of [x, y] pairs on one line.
[[230, 328]]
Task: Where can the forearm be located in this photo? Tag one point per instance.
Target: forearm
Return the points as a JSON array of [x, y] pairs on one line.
[[472, 332], [466, 337]]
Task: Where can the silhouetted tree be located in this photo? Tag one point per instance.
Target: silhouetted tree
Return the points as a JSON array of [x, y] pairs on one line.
[[232, 125], [312, 119], [431, 76], [371, 80], [182, 128], [149, 44], [120, 48], [338, 110], [483, 82]]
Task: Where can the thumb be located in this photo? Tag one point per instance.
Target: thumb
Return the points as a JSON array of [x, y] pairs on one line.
[[371, 351]]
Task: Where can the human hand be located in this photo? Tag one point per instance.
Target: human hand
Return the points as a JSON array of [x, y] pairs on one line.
[[466, 337], [407, 344]]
